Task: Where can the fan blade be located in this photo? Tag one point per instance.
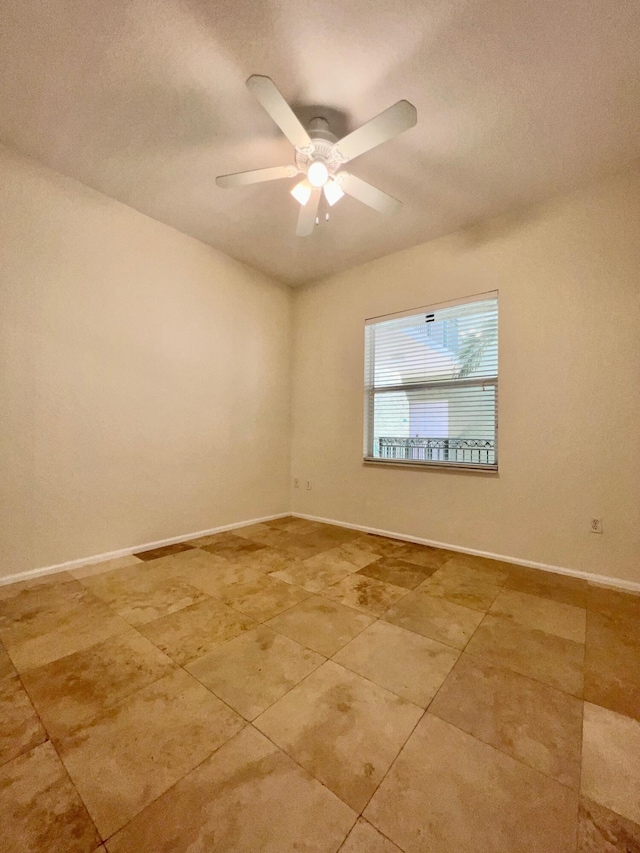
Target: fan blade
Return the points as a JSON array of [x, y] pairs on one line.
[[256, 176], [271, 99], [308, 213], [367, 194], [390, 123]]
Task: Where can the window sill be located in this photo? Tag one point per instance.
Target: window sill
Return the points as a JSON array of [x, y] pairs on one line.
[[412, 463]]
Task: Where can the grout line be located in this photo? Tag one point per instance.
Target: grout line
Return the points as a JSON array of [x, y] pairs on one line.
[[78, 794], [244, 719], [49, 740], [173, 785], [308, 773], [484, 657], [379, 686], [493, 745], [389, 768], [375, 829]]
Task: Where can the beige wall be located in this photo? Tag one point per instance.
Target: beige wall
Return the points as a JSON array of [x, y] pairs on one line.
[[145, 382], [145, 377], [568, 273]]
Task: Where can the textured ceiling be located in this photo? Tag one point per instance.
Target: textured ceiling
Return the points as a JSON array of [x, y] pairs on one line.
[[145, 101]]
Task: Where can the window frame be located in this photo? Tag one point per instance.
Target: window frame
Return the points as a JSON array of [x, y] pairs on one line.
[[370, 392]]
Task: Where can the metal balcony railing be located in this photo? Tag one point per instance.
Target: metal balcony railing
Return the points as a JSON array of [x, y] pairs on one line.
[[475, 451]]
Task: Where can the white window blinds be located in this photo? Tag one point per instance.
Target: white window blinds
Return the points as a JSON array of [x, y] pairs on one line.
[[431, 385]]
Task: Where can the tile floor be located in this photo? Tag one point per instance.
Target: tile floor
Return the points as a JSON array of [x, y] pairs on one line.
[[293, 686]]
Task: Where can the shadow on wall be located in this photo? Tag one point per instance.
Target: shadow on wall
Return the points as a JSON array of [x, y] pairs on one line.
[[480, 233]]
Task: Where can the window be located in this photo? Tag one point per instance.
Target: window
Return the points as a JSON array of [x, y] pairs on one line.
[[431, 385]]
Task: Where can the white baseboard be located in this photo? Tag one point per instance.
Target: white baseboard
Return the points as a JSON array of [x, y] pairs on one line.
[[125, 552], [604, 580]]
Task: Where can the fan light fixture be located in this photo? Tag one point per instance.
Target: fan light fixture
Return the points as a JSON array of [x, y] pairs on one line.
[[317, 173], [332, 192], [302, 192], [320, 157]]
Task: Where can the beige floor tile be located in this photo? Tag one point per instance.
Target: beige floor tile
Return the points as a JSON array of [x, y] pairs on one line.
[[544, 657], [544, 614], [11, 590], [174, 565], [316, 573], [367, 594], [20, 728], [71, 692], [530, 721], [40, 810], [251, 672], [34, 607], [196, 630], [356, 552], [163, 551], [305, 546], [450, 793], [213, 575], [319, 624], [104, 566], [137, 749], [231, 546], [343, 729], [603, 831], [397, 572], [206, 539], [421, 555], [461, 587], [139, 595], [53, 622], [266, 560], [625, 624], [482, 569], [566, 590], [382, 546], [225, 541], [290, 522], [612, 602], [611, 761], [263, 598], [408, 664], [612, 677], [248, 797], [612, 662], [271, 537], [363, 838], [435, 618], [332, 534], [302, 527], [251, 530]]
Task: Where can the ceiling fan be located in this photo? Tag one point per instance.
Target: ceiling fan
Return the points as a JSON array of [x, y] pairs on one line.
[[320, 156]]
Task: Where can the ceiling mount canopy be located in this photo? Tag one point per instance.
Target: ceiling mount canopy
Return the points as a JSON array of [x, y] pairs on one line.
[[320, 156]]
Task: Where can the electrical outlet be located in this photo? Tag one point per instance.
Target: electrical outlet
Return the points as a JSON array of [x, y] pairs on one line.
[[308, 485], [596, 525], [296, 483]]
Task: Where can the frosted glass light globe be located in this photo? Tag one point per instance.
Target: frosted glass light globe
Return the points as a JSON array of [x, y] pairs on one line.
[[317, 173]]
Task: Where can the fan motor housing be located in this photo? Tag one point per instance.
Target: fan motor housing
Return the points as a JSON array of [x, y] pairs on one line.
[[322, 147]]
